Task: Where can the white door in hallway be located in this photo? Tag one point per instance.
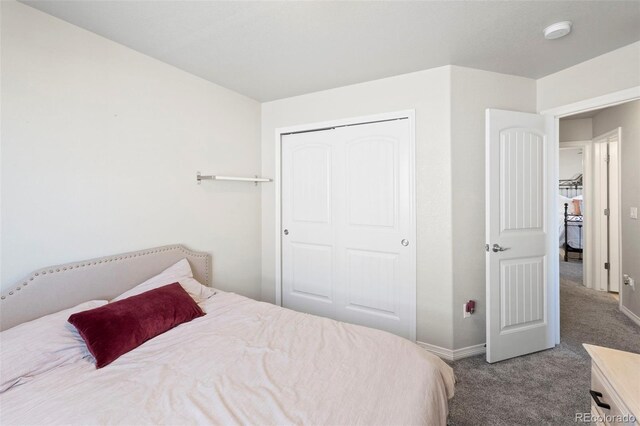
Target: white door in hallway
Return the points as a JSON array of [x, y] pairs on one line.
[[607, 212], [519, 216], [348, 227]]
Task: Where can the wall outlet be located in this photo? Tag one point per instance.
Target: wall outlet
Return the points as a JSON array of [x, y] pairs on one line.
[[465, 314], [633, 212]]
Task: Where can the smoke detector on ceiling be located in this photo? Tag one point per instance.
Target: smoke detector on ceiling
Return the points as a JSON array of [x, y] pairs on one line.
[[557, 30]]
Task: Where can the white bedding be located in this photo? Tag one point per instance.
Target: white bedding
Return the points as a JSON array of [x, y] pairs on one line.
[[246, 362]]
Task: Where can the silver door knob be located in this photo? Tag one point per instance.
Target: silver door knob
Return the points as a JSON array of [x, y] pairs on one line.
[[496, 248], [286, 232], [404, 242]]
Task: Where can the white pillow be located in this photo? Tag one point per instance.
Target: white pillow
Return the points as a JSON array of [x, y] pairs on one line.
[[181, 273], [37, 346]]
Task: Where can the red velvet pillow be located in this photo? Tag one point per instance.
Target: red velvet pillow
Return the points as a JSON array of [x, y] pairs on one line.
[[114, 329]]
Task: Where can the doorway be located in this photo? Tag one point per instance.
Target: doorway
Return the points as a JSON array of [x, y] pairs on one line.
[[539, 129], [606, 200], [588, 203], [629, 269], [610, 199], [571, 185]]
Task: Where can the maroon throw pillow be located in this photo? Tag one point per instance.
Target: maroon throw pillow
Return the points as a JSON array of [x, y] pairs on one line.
[[114, 329]]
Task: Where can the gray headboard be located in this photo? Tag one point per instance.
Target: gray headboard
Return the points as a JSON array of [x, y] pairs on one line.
[[51, 289]]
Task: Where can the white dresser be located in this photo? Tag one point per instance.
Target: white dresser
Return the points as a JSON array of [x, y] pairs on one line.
[[615, 386]]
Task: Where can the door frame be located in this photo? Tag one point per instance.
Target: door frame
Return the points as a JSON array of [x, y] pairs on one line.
[[613, 197], [587, 192], [409, 115], [604, 101]]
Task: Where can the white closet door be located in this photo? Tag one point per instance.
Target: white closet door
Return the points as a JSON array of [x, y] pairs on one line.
[[346, 209], [308, 219]]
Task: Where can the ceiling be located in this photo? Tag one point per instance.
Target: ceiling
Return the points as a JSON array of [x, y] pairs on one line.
[[276, 49]]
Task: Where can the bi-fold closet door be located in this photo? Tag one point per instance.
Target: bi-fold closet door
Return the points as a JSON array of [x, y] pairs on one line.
[[347, 225]]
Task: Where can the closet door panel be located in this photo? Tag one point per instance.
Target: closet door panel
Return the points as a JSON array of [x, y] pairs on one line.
[[373, 214], [308, 249], [346, 211]]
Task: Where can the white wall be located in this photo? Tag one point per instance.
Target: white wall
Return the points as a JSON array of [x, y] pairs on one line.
[[570, 162], [608, 73], [450, 104], [473, 91], [428, 93], [578, 129], [100, 146], [627, 116]]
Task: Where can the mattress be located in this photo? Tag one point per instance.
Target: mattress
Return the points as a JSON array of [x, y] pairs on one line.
[[246, 362]]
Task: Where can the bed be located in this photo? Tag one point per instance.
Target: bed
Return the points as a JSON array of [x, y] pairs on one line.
[[571, 233], [572, 187], [570, 216], [244, 362]]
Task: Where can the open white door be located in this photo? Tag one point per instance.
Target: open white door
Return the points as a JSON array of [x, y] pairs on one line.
[[606, 208], [519, 221]]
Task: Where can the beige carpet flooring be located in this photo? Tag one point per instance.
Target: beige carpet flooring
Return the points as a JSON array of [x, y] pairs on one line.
[[548, 387]]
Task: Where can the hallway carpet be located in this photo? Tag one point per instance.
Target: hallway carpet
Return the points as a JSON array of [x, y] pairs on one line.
[[547, 387]]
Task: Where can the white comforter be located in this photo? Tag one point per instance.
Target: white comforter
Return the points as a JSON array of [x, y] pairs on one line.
[[246, 362]]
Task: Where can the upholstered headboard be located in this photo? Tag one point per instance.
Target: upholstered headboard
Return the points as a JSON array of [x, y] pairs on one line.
[[51, 289]]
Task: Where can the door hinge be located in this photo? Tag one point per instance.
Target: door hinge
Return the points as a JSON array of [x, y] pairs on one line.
[[606, 265], [607, 158], [606, 212]]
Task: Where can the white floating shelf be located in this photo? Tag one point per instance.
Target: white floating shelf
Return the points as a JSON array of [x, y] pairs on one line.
[[255, 179]]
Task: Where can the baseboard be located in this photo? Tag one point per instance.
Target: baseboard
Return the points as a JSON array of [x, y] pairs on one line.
[[469, 351], [456, 354], [630, 314], [453, 354], [446, 354]]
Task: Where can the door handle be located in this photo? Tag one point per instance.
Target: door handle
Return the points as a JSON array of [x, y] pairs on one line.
[[404, 242], [285, 232], [596, 398], [496, 248]]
